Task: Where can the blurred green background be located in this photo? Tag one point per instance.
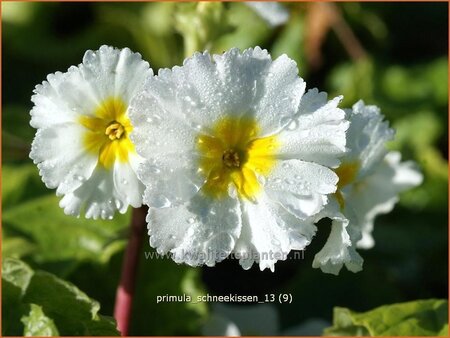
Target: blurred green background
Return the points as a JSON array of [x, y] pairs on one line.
[[393, 55]]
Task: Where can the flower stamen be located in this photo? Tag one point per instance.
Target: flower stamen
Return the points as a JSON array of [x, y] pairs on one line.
[[114, 131], [231, 159]]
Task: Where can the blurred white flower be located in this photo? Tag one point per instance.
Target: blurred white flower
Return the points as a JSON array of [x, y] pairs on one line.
[[274, 13], [82, 146], [236, 159], [370, 180]]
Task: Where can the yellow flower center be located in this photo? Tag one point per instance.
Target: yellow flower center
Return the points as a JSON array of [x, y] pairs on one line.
[[347, 173], [233, 154], [107, 132]]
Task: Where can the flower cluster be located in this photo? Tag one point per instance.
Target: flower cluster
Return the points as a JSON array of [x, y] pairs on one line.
[[230, 152]]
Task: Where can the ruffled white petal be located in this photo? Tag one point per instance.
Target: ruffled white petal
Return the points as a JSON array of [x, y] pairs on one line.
[[206, 89], [339, 250], [60, 157], [58, 150], [113, 72], [170, 182], [158, 132], [57, 100], [97, 197], [378, 193], [301, 187], [280, 90], [318, 133], [126, 182], [367, 137], [203, 231], [108, 72], [269, 233]]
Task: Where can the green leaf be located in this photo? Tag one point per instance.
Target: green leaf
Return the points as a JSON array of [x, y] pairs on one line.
[[417, 318], [16, 247], [20, 183], [38, 324], [62, 240], [39, 303]]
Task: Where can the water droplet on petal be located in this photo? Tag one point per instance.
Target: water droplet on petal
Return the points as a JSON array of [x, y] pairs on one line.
[[119, 204], [160, 201], [191, 220], [275, 242], [154, 169], [79, 178], [293, 125]]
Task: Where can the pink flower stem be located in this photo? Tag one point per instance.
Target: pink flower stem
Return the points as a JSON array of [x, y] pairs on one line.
[[125, 290]]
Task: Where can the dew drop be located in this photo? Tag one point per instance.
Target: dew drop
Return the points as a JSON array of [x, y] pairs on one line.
[[191, 220], [119, 204], [293, 125], [286, 165], [124, 181], [289, 181], [154, 170], [275, 242], [160, 201], [172, 237], [79, 178]]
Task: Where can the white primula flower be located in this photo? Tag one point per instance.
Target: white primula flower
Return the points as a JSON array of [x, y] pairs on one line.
[[82, 146], [237, 155], [370, 180]]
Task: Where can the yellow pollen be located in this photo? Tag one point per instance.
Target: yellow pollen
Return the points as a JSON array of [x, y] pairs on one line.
[[231, 158], [347, 173], [232, 154], [107, 131], [114, 131]]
